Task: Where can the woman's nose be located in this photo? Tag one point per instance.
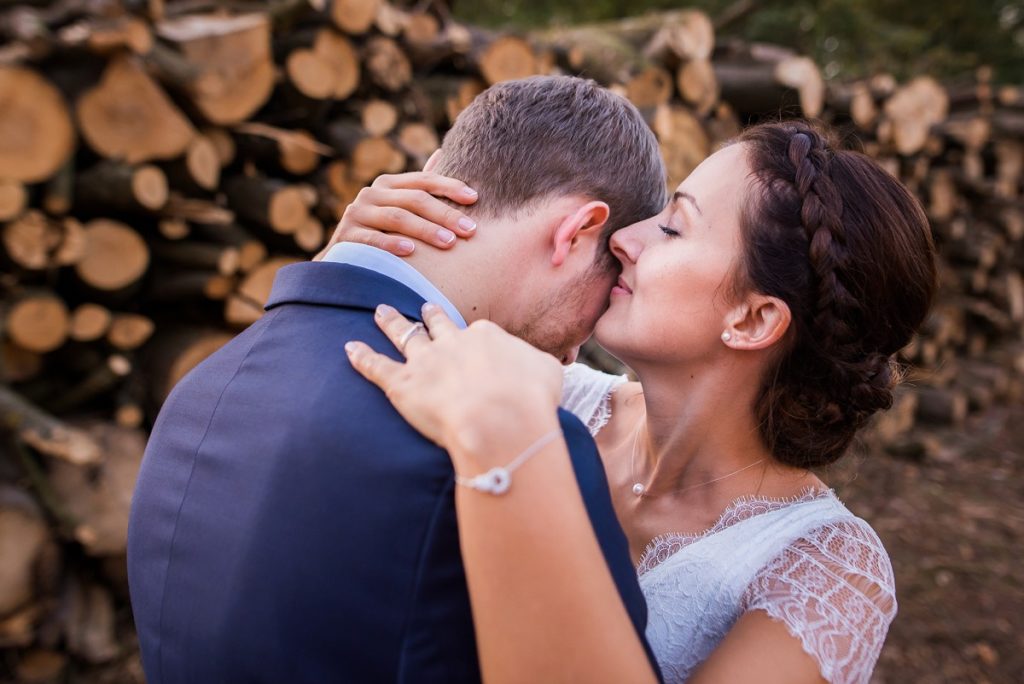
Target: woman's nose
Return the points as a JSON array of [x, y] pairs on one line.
[[625, 245]]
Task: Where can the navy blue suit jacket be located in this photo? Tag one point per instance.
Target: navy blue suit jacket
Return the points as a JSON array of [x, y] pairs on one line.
[[289, 526]]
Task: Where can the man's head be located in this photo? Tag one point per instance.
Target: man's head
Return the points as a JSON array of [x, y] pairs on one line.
[[560, 164]]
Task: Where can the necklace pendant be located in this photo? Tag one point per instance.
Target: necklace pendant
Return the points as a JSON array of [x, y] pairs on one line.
[[638, 489]]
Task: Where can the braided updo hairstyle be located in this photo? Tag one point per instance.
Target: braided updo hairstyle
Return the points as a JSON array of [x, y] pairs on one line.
[[849, 250]]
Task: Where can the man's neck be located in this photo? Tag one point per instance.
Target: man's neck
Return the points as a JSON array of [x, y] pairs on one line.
[[464, 275]]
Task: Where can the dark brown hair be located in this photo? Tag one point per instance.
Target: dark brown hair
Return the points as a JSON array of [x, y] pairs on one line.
[[531, 139], [849, 250]]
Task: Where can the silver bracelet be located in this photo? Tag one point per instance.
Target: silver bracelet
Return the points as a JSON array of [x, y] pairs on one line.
[[497, 480]]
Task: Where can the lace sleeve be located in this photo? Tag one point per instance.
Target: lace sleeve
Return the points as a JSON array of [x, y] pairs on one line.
[[834, 590], [587, 394]]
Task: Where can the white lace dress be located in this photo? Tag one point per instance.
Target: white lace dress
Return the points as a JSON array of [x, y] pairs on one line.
[[807, 562]]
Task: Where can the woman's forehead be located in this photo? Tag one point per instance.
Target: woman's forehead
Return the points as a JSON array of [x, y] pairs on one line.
[[719, 183]]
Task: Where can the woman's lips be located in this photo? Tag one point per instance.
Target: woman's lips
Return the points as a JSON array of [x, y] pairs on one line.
[[621, 288]]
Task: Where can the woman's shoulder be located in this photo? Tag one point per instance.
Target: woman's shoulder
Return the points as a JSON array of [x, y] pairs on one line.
[[833, 588], [593, 395]]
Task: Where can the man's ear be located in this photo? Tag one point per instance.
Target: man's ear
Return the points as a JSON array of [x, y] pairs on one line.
[[434, 160], [758, 323], [587, 220]]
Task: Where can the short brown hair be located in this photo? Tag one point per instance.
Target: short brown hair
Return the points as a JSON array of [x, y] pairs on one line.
[[531, 139], [849, 249]]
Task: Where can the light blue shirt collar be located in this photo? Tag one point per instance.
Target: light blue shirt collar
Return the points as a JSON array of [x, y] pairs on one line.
[[387, 264]]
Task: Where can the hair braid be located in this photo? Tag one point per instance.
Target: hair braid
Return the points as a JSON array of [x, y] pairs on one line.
[[838, 314], [818, 236]]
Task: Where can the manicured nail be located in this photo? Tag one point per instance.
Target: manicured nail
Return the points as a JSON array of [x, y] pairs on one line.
[[406, 246], [469, 192], [446, 236], [383, 310], [466, 223]]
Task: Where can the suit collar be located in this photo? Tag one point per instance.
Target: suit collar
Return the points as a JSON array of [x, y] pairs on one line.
[[341, 285]]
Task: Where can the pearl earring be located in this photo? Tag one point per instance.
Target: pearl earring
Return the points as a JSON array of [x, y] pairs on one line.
[[726, 336]]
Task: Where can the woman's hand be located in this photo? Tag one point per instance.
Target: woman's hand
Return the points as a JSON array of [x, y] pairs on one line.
[[461, 388], [398, 207], [545, 606]]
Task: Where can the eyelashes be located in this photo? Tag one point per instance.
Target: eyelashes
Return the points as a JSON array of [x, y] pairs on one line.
[[669, 231]]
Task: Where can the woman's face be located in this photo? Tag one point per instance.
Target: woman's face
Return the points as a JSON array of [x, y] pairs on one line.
[[671, 301]]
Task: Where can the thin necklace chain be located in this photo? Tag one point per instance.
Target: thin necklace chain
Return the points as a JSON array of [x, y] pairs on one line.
[[640, 489]]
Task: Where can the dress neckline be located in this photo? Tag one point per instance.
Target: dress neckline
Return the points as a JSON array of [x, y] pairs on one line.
[[742, 508]]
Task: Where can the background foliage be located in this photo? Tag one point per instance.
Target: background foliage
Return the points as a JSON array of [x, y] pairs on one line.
[[849, 38]]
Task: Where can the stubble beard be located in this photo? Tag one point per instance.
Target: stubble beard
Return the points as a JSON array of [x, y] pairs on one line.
[[562, 321]]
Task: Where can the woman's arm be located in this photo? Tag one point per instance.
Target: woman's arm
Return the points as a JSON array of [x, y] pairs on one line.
[[758, 649], [544, 602], [398, 210]]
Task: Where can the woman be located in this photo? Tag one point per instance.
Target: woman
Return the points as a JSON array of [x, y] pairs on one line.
[[761, 311]]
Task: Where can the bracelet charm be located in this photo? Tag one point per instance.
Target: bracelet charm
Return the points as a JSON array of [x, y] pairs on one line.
[[494, 481], [498, 480]]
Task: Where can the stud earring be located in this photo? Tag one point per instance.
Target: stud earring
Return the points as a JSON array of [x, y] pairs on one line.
[[726, 336]]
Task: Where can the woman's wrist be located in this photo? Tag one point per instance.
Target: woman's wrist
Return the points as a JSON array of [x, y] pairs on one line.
[[495, 432]]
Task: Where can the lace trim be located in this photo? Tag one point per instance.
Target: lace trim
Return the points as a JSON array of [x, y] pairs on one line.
[[834, 591], [603, 412], [588, 394], [662, 547]]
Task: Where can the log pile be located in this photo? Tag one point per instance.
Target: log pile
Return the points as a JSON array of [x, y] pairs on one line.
[[159, 164]]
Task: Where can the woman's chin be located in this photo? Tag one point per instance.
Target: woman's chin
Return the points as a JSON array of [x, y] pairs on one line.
[[611, 335]]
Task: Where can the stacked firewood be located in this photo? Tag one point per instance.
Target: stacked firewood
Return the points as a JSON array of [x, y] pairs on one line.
[[960, 147], [159, 163]]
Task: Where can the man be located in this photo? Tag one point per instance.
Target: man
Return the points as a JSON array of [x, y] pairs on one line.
[[288, 525]]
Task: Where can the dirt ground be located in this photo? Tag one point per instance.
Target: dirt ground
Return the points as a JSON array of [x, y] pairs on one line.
[[953, 523]]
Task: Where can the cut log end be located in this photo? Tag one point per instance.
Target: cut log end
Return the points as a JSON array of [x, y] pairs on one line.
[[115, 257], [506, 59], [337, 51], [31, 240], [354, 16], [39, 323], [127, 116], [374, 156], [912, 112], [36, 134], [203, 163], [90, 322], [129, 331], [379, 117], [387, 64], [287, 210], [149, 186], [311, 75], [419, 141]]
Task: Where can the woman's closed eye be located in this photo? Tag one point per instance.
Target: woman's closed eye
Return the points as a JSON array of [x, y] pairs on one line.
[[671, 232]]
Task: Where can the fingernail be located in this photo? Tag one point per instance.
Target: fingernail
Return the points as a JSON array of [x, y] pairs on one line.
[[469, 192], [467, 224], [429, 308], [406, 246], [350, 347], [382, 310], [446, 236]]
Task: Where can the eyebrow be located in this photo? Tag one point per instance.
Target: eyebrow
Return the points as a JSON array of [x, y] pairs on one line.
[[680, 195]]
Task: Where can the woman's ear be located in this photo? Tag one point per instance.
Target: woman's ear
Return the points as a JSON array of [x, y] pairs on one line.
[[432, 163], [758, 323], [586, 220]]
